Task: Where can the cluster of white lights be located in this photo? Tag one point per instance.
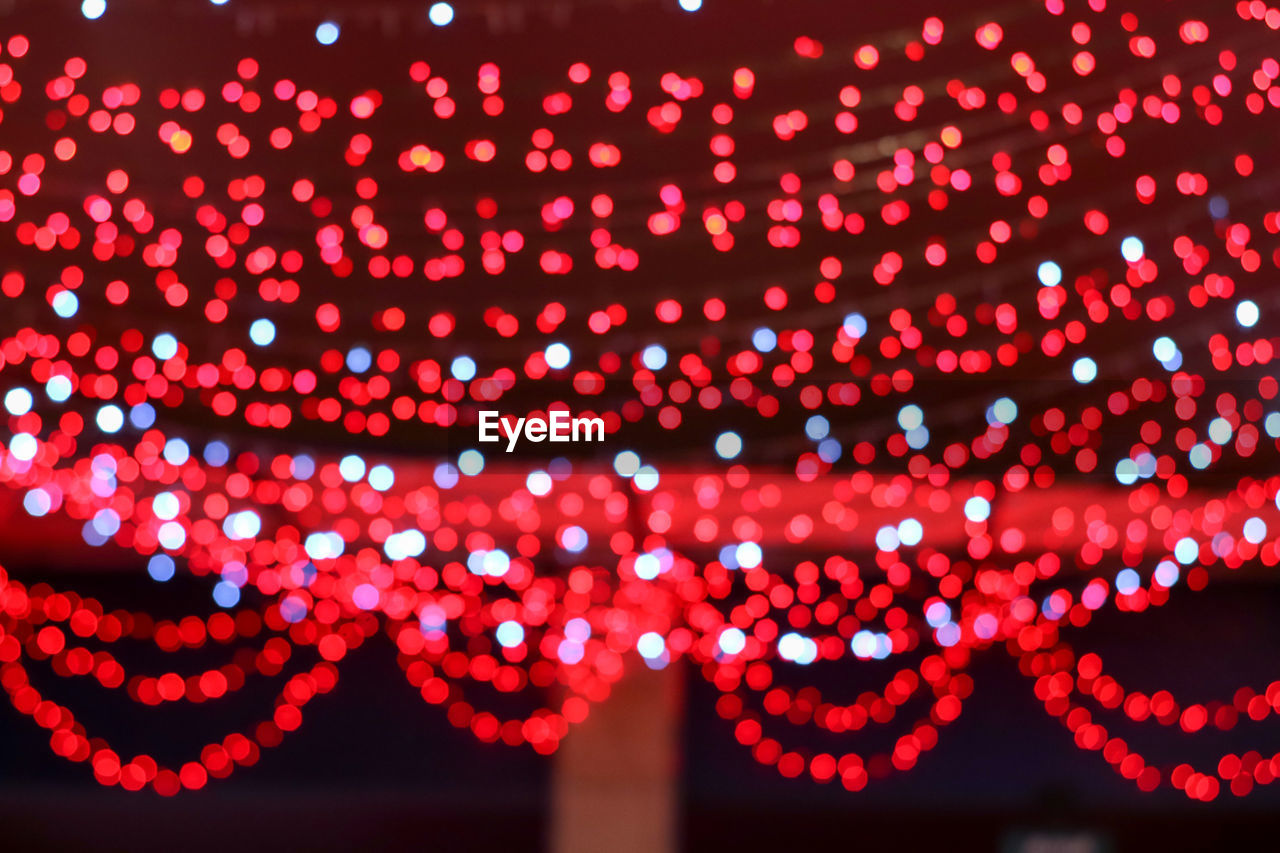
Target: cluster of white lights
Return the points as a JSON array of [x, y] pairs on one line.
[[871, 645], [797, 648], [405, 544], [324, 546], [495, 563]]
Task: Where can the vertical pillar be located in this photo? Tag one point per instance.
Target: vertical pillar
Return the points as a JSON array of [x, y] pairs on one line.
[[615, 778]]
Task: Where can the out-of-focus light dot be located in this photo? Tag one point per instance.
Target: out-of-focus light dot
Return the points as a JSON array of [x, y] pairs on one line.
[[327, 32], [648, 567], [440, 14], [691, 5], [797, 648], [1085, 370], [471, 462], [509, 633], [262, 332], [432, 621], [855, 325], [323, 546], [817, 428], [1094, 595], [1219, 430], [654, 357], [626, 463], [1127, 582], [1187, 551], [1146, 463], [1247, 313], [1166, 573], [557, 356], [917, 438], [226, 594], [235, 572], [887, 538], [495, 563], [302, 467], [142, 416], [570, 651], [651, 645], [359, 359], [577, 629], [58, 388], [407, 543], [1200, 456], [161, 567], [910, 417], [166, 506], [218, 2], [538, 483], [1272, 424], [1126, 472], [93, 9], [463, 367], [985, 626], [947, 635], [1049, 273], [977, 508], [573, 539], [1255, 530], [165, 346], [937, 614], [18, 401], [1164, 349], [103, 466], [764, 339], [365, 596], [732, 641], [445, 475], [244, 524], [171, 535], [110, 418], [351, 468], [37, 502], [910, 532], [216, 454], [65, 304], [728, 445], [1219, 207], [1004, 411], [749, 555], [863, 644], [1053, 606], [1131, 249], [381, 477], [176, 451], [293, 609], [729, 556], [646, 478]]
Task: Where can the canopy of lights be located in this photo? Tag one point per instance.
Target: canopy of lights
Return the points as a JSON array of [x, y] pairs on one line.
[[912, 345]]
